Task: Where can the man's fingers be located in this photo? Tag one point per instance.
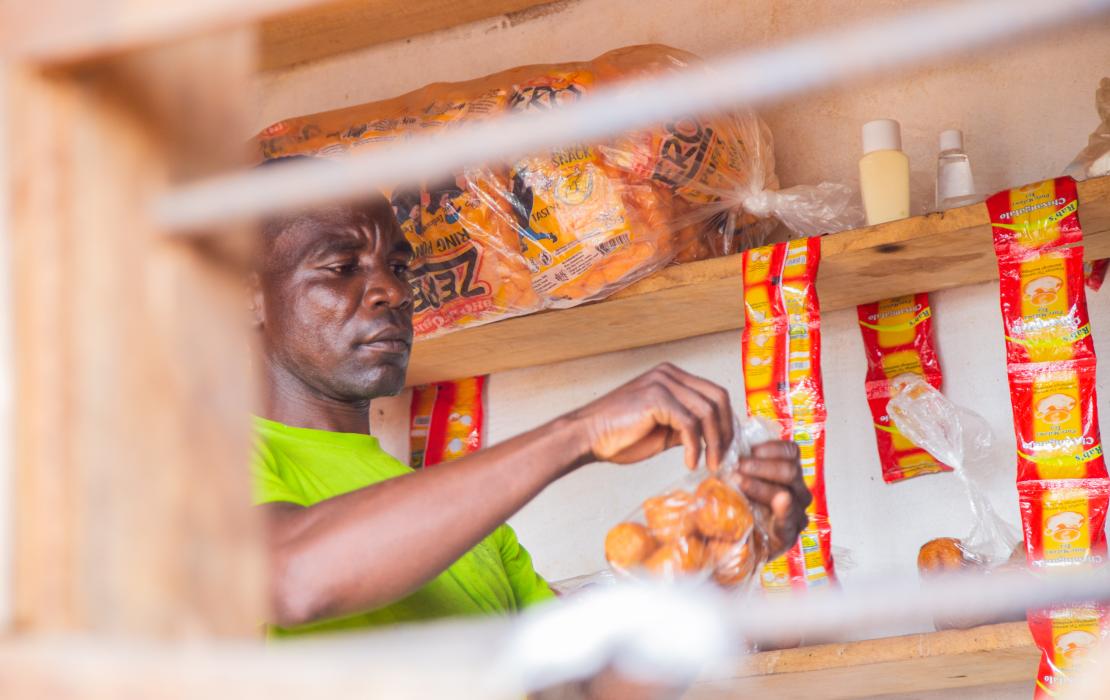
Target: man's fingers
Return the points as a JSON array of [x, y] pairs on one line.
[[776, 449], [713, 393], [763, 492], [780, 471], [671, 412], [707, 414]]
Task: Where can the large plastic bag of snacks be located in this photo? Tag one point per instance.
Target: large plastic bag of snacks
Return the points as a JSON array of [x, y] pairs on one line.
[[572, 224], [701, 526]]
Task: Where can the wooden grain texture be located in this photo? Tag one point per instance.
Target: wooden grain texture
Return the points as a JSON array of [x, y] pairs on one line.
[[983, 656], [133, 496], [338, 27], [921, 254]]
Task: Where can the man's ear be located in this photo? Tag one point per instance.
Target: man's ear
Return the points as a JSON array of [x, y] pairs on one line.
[[256, 301]]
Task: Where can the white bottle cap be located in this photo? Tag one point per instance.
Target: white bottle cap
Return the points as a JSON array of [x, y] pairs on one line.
[[952, 140], [882, 135]]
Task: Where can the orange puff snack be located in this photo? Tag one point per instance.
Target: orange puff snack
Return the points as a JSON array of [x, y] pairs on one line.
[[942, 556], [671, 515], [628, 545], [722, 512], [681, 556]]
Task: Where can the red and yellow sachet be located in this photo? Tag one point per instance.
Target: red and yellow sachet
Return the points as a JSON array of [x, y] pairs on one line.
[[1063, 489], [782, 383], [898, 340], [446, 421]]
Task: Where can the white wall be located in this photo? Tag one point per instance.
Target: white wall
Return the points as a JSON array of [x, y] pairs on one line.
[[1026, 112]]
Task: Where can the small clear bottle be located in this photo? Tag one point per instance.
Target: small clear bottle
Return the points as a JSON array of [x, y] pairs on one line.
[[955, 185]]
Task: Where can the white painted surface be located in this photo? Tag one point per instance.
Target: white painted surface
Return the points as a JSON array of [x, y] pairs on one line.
[[1025, 110], [881, 525]]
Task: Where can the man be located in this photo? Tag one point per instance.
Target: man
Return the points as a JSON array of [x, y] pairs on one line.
[[357, 538]]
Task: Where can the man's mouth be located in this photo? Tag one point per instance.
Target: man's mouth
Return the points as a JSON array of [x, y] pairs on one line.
[[387, 343]]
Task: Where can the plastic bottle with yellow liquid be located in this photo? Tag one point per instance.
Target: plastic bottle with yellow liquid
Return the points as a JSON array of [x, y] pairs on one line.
[[884, 172]]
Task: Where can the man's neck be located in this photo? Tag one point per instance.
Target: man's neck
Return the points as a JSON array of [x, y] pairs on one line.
[[289, 401]]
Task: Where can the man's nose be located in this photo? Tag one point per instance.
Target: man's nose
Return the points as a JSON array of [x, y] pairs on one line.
[[387, 290]]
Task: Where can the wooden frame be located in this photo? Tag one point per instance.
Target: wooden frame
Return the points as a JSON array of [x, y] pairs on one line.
[[132, 510], [133, 390]]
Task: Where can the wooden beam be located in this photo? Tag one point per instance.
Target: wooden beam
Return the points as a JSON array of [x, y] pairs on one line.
[[920, 254], [917, 663], [69, 31], [339, 27], [133, 388]]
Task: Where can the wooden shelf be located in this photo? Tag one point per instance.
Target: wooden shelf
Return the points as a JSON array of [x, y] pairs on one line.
[[918, 663], [923, 253], [347, 25]]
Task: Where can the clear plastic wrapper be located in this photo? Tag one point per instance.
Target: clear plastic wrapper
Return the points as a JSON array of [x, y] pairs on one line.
[[702, 526], [571, 224], [962, 439], [1094, 160]]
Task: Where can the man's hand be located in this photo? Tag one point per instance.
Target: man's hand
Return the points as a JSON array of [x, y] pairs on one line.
[[772, 480], [654, 412]]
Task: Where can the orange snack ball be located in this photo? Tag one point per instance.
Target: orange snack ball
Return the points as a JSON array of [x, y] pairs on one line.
[[684, 555], [671, 515], [722, 512], [628, 544], [735, 562], [942, 555]]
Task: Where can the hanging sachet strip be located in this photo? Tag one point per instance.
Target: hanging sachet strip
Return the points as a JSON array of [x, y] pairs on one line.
[[1062, 482], [898, 341], [782, 383], [446, 421]]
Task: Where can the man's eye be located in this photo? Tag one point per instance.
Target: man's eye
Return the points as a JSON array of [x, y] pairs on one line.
[[402, 270], [343, 268]]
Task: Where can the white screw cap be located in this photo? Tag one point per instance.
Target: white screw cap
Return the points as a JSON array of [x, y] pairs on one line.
[[882, 135], [952, 140]]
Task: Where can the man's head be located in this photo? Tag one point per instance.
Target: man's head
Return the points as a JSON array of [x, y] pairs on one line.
[[333, 302]]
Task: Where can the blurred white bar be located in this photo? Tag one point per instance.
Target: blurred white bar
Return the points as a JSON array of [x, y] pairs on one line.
[[747, 79], [7, 372], [657, 633]]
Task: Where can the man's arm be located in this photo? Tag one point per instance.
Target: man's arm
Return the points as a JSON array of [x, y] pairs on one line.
[[371, 547]]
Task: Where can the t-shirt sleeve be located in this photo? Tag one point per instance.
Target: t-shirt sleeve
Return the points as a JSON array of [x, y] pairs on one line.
[[268, 486], [528, 587]]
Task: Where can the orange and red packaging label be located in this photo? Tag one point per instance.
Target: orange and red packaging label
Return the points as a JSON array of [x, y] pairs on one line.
[[446, 421], [782, 383], [898, 339], [1063, 489]]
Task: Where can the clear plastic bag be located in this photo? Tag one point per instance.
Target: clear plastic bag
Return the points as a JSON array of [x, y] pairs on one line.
[[573, 224], [962, 439], [1094, 160], [702, 526]]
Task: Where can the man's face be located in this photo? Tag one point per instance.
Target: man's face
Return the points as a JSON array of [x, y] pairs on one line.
[[335, 304]]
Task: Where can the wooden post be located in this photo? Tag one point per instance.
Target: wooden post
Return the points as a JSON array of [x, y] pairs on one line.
[[133, 382]]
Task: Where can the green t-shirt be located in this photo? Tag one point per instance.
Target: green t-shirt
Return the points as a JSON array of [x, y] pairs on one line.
[[305, 466]]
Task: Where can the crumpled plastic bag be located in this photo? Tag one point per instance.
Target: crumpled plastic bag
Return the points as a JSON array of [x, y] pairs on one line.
[[963, 440]]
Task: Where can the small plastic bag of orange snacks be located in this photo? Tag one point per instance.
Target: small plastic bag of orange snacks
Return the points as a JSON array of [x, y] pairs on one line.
[[702, 526]]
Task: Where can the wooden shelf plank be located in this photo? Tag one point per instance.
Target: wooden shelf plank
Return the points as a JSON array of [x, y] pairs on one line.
[[69, 31], [920, 254], [347, 25], [989, 655]]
